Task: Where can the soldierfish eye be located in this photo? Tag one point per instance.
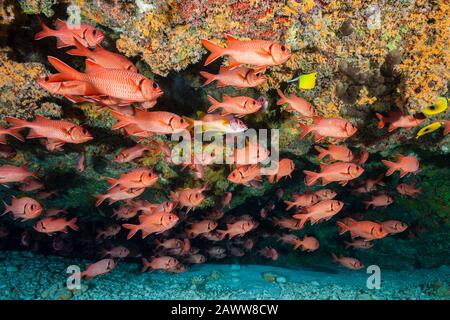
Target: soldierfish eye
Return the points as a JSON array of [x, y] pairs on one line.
[[283, 48], [155, 85], [94, 32]]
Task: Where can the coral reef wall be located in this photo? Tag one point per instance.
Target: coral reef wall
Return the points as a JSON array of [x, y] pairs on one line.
[[369, 56]]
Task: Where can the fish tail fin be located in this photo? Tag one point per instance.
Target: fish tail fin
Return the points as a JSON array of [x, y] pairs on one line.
[[305, 130], [145, 265], [123, 120], [334, 257], [322, 152], [17, 123], [382, 123], [101, 198], [113, 182], [14, 132], [46, 31], [347, 244], [303, 217], [290, 204], [343, 228], [311, 177], [7, 208], [391, 165], [282, 96], [215, 104], [367, 204], [208, 76], [133, 229], [222, 233], [80, 50], [216, 51], [72, 224], [67, 72]]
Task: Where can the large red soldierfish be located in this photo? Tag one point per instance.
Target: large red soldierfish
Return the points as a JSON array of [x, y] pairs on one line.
[[404, 164], [98, 268], [160, 122], [155, 223], [115, 83], [336, 153], [336, 128], [189, 197], [348, 262], [9, 174], [258, 53], [51, 225], [368, 230], [137, 178], [117, 194], [24, 208], [296, 104], [285, 169], [159, 263], [103, 57], [238, 106], [322, 211], [398, 120], [338, 171], [241, 77], [238, 228], [65, 34], [60, 131]]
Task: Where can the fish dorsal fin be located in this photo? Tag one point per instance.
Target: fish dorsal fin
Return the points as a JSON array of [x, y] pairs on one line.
[[400, 157], [91, 66], [226, 97], [140, 112], [224, 69], [322, 165], [60, 24], [40, 118], [230, 38]]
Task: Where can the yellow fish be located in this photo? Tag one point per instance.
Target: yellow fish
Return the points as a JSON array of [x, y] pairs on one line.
[[428, 129], [307, 81], [439, 106]]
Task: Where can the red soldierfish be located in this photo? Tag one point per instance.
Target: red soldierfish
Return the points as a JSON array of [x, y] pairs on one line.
[[336, 128], [160, 122], [285, 169], [132, 153], [408, 190], [189, 198], [103, 57], [259, 53], [117, 194], [241, 77], [137, 178], [239, 106], [338, 171], [322, 211], [405, 164], [394, 226], [98, 268], [10, 174], [296, 104], [160, 263], [398, 120], [239, 228], [348, 262], [367, 230], [24, 208], [115, 83], [51, 225], [87, 35], [57, 130], [381, 200], [303, 200], [336, 153]]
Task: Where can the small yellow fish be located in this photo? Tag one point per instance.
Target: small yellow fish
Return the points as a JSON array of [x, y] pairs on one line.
[[428, 129], [439, 106], [307, 81]]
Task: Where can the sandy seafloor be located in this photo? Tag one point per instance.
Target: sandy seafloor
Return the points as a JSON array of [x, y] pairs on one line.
[[24, 275]]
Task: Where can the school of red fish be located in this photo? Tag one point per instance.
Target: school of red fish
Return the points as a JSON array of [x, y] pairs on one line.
[[112, 81]]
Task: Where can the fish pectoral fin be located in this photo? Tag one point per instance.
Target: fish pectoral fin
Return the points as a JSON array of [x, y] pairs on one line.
[[263, 52]]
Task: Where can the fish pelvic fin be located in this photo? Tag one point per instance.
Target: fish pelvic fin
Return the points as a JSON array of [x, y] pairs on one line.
[[382, 122]]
